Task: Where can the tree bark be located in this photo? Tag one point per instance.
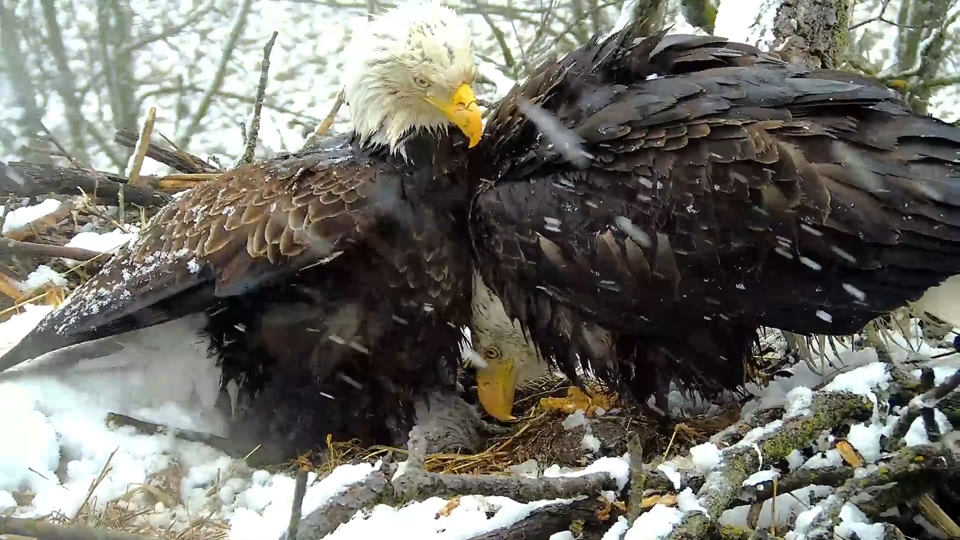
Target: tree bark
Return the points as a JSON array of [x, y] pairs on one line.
[[812, 32]]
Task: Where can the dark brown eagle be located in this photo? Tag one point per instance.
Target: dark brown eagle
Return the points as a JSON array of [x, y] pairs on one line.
[[713, 189], [336, 281]]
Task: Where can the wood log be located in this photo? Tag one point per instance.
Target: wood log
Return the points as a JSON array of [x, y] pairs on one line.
[[31, 249], [41, 179], [184, 162]]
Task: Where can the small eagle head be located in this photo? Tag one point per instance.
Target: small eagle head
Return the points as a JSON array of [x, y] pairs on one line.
[[507, 355], [411, 70]]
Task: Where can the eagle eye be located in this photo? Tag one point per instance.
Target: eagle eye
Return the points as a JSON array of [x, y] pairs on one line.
[[422, 82], [491, 353]]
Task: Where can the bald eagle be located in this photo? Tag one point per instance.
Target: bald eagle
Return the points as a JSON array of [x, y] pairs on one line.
[[336, 280], [710, 189]]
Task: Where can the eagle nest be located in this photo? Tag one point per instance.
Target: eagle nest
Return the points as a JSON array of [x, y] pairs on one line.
[[638, 207]]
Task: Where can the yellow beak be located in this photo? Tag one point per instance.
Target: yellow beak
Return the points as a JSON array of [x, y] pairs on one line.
[[463, 111], [495, 386]]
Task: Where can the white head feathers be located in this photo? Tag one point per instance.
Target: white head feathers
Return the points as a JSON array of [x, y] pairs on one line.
[[404, 70]]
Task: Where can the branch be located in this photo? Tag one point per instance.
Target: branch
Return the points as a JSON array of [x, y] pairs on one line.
[[811, 32], [908, 463], [220, 74], [723, 484], [44, 178], [411, 483], [141, 149], [184, 162], [250, 146], [553, 518], [44, 530], [30, 249]]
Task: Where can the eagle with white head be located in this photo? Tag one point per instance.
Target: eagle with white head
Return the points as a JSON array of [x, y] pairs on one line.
[[413, 72], [335, 281]]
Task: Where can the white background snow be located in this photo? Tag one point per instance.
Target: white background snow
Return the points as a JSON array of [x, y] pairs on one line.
[[163, 375]]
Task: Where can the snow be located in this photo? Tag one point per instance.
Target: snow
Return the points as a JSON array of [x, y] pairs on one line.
[[655, 523], [24, 215], [40, 277], [688, 502], [104, 242], [798, 402], [618, 529], [861, 381], [760, 477], [419, 520], [671, 473], [853, 521], [917, 434], [706, 456], [574, 420], [866, 439]]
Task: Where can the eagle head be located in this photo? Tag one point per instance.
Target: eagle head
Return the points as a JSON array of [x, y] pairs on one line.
[[507, 353], [411, 70]]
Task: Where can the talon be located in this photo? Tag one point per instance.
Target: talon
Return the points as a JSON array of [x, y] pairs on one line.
[[578, 399]]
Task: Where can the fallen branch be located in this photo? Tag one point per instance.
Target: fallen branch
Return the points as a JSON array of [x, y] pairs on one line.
[[43, 530], [411, 483], [174, 158], [42, 224], [30, 249], [554, 518], [722, 485], [44, 178], [250, 145], [927, 460], [919, 404]]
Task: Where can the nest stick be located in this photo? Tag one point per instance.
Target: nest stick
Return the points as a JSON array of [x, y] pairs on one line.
[[43, 178], [299, 490], [250, 145], [142, 147], [43, 530], [172, 157], [31, 249]]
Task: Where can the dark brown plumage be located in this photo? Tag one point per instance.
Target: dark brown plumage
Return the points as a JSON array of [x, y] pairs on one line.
[[724, 190], [334, 286]]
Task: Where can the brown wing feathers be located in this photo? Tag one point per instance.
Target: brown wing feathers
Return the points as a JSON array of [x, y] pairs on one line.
[[223, 237]]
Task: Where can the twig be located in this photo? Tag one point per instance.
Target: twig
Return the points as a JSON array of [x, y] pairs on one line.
[[250, 145], [96, 482], [142, 147], [324, 126], [43, 250], [299, 490], [44, 530]]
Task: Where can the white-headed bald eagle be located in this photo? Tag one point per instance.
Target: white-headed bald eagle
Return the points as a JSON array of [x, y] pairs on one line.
[[335, 280], [716, 190]]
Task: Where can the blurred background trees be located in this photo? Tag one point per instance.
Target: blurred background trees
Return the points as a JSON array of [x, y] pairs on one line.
[[85, 68]]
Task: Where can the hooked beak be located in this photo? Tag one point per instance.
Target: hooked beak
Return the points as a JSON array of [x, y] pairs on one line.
[[463, 111], [495, 386]]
